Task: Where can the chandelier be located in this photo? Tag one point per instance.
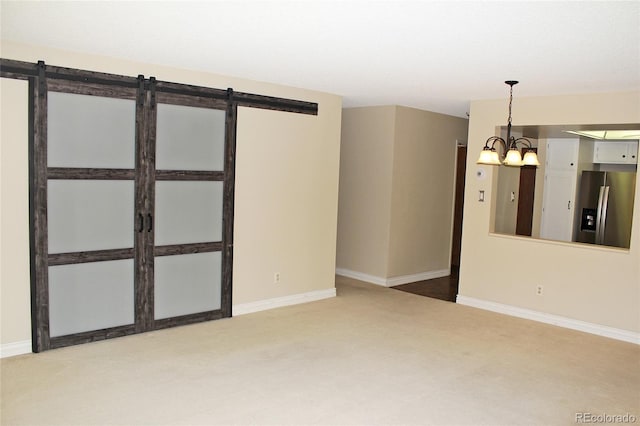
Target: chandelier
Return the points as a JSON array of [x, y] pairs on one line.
[[512, 156]]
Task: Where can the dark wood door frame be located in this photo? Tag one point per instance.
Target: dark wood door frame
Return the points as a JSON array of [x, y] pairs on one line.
[[461, 166], [146, 92]]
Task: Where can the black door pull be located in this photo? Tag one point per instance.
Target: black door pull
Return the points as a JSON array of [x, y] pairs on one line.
[[141, 219], [150, 227]]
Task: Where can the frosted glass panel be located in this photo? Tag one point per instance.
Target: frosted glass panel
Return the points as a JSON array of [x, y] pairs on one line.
[[88, 215], [189, 138], [90, 296], [187, 284], [188, 212], [90, 131]]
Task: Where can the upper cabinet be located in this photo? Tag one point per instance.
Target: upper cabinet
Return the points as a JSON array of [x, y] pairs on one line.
[[562, 154], [616, 152]]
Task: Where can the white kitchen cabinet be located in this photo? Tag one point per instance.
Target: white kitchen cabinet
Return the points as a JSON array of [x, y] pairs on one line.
[[560, 179], [616, 152], [558, 205], [562, 154]]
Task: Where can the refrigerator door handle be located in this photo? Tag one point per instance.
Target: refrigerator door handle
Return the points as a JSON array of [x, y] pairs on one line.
[[599, 215], [603, 220]]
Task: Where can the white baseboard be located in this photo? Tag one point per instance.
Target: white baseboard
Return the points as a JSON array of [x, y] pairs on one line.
[[278, 302], [15, 348], [361, 277], [406, 279], [587, 327], [393, 281]]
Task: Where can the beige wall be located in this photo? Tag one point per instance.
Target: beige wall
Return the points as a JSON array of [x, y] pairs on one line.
[[366, 166], [397, 173], [286, 202], [286, 195], [423, 190], [15, 314], [593, 284]]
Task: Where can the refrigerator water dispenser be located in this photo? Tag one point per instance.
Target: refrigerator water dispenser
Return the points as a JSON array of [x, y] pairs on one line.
[[588, 220]]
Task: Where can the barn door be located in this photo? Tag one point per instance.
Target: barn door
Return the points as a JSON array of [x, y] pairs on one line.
[[131, 200], [133, 209], [191, 224]]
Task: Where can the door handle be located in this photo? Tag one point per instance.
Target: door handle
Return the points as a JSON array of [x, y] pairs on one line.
[[150, 222], [141, 222]]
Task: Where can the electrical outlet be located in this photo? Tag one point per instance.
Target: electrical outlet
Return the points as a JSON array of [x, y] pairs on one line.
[[276, 278], [539, 290]]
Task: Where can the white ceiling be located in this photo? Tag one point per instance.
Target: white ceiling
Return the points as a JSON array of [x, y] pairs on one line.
[[430, 55]]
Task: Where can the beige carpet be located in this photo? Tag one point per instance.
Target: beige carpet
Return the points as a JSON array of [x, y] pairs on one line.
[[369, 356]]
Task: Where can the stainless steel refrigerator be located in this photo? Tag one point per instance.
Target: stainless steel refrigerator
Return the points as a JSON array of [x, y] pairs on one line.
[[605, 206]]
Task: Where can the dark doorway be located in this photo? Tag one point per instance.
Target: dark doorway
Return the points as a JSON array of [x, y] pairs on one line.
[[526, 193], [458, 208]]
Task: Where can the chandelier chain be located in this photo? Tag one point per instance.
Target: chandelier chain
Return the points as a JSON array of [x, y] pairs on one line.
[[510, 102]]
